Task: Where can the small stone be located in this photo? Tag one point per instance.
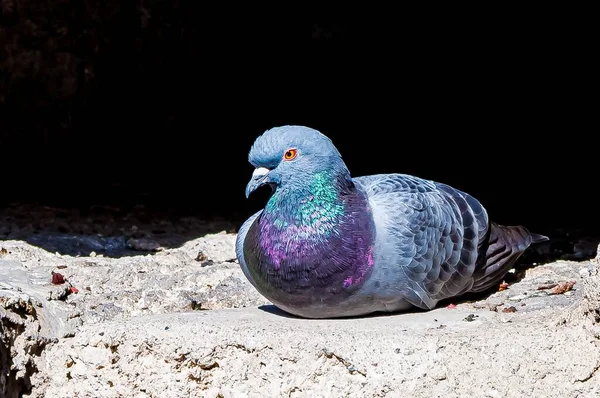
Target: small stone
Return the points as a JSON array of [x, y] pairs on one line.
[[438, 373]]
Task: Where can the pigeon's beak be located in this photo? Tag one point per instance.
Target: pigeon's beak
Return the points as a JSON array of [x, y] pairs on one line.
[[260, 177]]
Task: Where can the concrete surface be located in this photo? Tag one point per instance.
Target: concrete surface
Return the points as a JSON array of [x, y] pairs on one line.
[[183, 322]]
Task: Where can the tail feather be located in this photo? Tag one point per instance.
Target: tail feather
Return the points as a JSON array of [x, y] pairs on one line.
[[537, 238], [504, 247]]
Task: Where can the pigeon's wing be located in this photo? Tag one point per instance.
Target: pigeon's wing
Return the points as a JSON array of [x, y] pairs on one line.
[[239, 245], [428, 236]]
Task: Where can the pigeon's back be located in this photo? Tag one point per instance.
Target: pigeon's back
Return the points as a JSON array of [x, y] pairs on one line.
[[434, 242]]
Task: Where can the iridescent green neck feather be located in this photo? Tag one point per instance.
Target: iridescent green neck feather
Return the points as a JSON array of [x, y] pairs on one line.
[[316, 206]]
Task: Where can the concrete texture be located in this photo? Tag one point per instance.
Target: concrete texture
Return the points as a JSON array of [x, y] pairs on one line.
[[183, 322]]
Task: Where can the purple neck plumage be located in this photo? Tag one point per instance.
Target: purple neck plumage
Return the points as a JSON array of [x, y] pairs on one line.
[[313, 240]]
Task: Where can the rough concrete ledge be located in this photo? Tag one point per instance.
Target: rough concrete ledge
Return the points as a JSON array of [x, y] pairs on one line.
[[136, 328], [254, 353]]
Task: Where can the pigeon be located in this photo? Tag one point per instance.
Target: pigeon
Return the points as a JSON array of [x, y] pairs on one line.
[[329, 245]]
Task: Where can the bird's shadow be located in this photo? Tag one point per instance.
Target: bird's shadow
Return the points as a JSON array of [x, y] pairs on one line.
[[273, 309]]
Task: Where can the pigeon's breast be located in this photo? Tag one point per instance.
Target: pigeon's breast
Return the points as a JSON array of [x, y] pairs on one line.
[[312, 259]]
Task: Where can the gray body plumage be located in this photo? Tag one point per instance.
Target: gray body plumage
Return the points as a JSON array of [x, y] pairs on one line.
[[431, 242]]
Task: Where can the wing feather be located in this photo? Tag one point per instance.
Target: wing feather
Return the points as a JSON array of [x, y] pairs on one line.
[[430, 232]]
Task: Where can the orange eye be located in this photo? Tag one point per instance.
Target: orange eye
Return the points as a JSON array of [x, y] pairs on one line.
[[290, 154]]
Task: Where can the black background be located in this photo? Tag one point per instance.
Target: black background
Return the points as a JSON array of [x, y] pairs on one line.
[[497, 103]]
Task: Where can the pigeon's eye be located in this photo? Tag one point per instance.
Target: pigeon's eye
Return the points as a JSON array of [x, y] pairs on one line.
[[290, 154]]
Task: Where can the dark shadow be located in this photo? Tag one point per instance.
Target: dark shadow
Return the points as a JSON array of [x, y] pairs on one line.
[[571, 244], [109, 230], [273, 309]]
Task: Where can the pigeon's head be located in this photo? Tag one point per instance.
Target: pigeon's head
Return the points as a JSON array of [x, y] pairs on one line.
[[291, 155]]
